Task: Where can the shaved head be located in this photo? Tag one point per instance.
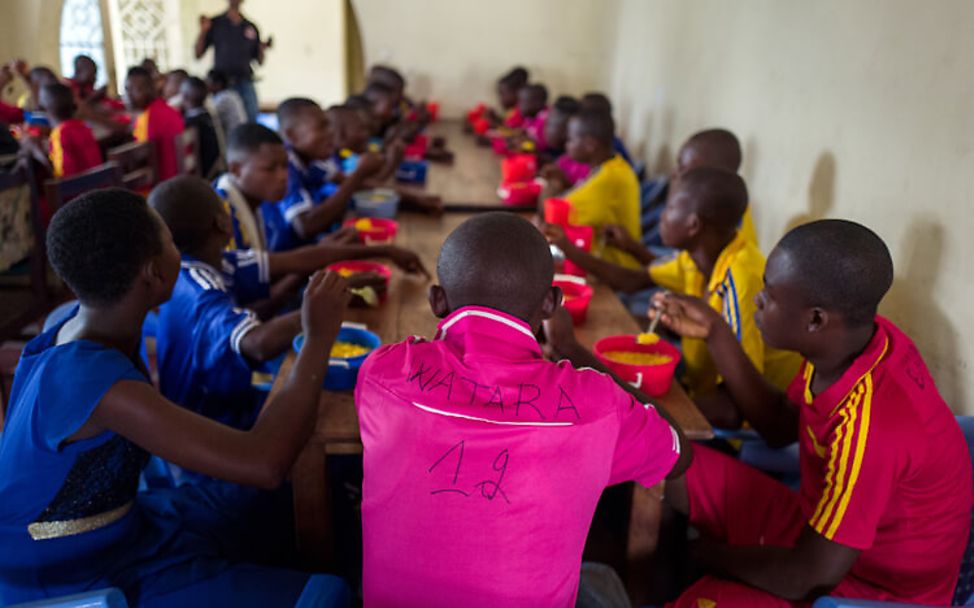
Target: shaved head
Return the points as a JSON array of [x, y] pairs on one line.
[[718, 197], [497, 260], [717, 148], [188, 205], [838, 265]]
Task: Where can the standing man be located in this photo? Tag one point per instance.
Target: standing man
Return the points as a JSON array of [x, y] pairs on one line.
[[236, 43]]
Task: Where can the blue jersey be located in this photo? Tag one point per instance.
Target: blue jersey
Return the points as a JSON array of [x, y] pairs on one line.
[[198, 345], [307, 185], [265, 230], [246, 273]]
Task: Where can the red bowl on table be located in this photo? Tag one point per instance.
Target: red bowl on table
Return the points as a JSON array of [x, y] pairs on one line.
[[519, 194], [519, 168], [577, 296], [481, 126], [433, 109], [654, 379], [374, 230], [349, 268]]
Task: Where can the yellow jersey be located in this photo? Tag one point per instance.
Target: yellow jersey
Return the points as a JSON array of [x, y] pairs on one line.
[[609, 195], [737, 278]]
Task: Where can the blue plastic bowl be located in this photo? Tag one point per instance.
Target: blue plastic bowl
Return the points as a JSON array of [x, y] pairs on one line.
[[412, 172], [342, 373], [380, 202]]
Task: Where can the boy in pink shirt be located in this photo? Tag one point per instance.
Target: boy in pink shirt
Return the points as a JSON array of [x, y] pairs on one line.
[[483, 461]]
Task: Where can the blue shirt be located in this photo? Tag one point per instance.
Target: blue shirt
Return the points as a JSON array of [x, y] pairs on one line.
[[307, 185], [266, 230], [246, 273], [198, 344]]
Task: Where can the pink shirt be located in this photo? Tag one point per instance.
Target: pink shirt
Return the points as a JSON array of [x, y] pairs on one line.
[[573, 170], [534, 127], [484, 463]]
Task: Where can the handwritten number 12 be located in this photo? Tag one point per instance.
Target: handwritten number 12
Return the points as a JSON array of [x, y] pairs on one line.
[[489, 488]]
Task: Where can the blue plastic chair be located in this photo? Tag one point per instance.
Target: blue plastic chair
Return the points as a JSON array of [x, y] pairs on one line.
[[964, 592], [102, 598]]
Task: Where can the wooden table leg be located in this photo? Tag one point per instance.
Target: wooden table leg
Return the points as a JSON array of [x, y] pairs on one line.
[[644, 523], [312, 507]]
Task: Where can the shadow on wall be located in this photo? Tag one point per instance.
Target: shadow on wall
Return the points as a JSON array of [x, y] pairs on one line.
[[821, 192], [911, 305]]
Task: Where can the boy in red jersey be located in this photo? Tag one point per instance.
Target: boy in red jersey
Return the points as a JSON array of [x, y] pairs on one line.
[[884, 508]]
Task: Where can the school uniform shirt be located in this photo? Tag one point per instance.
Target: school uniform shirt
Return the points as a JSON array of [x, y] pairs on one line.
[[609, 195], [573, 170], [160, 123], [11, 115], [308, 184], [198, 344], [200, 119], [534, 128], [885, 469], [737, 278], [484, 463], [72, 148], [263, 230], [230, 110]]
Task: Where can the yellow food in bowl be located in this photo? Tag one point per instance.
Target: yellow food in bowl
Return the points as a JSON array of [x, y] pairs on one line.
[[347, 350], [647, 338], [346, 272], [364, 225], [631, 358]]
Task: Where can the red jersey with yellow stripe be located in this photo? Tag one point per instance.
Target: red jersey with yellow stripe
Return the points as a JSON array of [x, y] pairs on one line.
[[72, 148], [885, 469], [161, 124]]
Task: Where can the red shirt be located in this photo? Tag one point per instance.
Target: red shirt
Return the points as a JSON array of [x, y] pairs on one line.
[[72, 148], [885, 469], [161, 124], [484, 463], [11, 114]]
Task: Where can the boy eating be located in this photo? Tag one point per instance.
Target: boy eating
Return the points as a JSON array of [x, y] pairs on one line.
[[610, 194], [507, 453], [715, 262], [884, 508], [314, 204]]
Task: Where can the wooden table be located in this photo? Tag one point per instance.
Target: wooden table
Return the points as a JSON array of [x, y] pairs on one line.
[[471, 182]]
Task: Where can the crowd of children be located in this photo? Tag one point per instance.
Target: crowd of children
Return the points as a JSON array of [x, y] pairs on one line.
[[486, 449]]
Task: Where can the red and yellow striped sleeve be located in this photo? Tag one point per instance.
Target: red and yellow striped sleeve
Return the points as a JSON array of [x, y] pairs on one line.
[[56, 151], [859, 476], [141, 130]]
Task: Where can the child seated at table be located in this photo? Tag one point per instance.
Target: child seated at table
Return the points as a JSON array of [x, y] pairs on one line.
[[557, 163], [172, 88], [508, 91], [508, 453], [72, 148], [714, 262], [229, 107], [157, 121], [193, 92], [207, 345], [532, 104], [715, 148], [351, 127], [83, 418], [609, 195], [884, 507], [314, 204], [599, 102]]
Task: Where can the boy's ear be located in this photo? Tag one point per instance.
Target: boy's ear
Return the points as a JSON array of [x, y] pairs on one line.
[[694, 225], [551, 301], [234, 166], [818, 320], [438, 302]]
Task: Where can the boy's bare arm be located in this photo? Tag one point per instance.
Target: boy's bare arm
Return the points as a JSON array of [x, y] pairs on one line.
[[617, 277], [813, 567], [322, 216]]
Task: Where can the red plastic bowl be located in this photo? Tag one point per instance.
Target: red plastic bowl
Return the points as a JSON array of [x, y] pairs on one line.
[[519, 193], [581, 237], [577, 297], [519, 168], [361, 266], [481, 126], [654, 380], [381, 233], [433, 109]]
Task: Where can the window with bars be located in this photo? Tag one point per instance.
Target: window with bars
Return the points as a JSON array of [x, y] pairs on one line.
[[83, 33]]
